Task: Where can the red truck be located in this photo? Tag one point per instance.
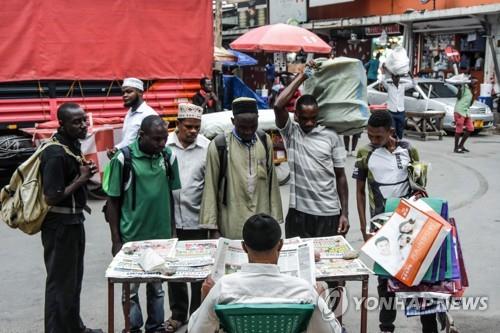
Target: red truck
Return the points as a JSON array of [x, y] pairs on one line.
[[79, 51]]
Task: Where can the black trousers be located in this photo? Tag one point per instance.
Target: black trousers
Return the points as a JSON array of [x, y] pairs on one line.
[[306, 225], [387, 315], [299, 224], [64, 248], [178, 292]]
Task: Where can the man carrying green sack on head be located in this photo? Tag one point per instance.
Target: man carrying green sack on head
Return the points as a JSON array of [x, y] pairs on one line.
[[392, 169]]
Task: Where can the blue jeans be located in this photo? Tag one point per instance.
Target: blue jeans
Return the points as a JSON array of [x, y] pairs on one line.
[[155, 308], [398, 119]]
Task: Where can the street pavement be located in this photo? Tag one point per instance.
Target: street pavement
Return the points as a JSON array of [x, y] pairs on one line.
[[470, 183]]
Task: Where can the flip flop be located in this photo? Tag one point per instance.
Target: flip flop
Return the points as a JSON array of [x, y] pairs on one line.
[[172, 325]]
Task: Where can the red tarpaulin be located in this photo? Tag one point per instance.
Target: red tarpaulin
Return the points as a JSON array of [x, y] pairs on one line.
[[95, 39]]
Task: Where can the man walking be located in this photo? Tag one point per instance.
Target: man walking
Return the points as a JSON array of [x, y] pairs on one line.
[[64, 181], [147, 172], [316, 155], [206, 97], [383, 164], [132, 90], [462, 118], [190, 148], [240, 177], [396, 87]]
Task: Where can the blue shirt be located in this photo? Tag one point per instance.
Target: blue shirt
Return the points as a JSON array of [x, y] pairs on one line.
[[372, 66]]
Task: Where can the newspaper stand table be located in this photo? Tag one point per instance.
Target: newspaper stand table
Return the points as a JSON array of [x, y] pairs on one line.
[[354, 270], [126, 290], [364, 278]]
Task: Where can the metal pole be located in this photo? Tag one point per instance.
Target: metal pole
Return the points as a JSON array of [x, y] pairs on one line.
[[218, 23]]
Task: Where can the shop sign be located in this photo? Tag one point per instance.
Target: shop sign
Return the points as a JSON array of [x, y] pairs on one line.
[[376, 30]]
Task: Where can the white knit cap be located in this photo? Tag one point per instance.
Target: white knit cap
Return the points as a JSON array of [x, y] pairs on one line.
[[188, 110], [133, 83]]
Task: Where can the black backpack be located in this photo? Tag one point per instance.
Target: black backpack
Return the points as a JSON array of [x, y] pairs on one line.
[[222, 150]]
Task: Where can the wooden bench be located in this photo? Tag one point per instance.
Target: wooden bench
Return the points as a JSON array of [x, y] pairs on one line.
[[423, 124]]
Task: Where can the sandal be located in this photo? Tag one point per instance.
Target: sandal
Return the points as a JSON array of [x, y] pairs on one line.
[[172, 325], [458, 151], [465, 150]]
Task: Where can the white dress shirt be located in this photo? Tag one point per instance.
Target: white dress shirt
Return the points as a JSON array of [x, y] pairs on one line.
[[396, 95], [257, 284], [132, 124], [191, 161]]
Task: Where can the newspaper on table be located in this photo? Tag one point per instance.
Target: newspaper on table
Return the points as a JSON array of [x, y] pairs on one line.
[[340, 267], [296, 259], [333, 247], [182, 259], [126, 264]]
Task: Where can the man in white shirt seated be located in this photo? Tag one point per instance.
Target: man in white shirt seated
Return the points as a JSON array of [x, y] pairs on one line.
[[260, 281]]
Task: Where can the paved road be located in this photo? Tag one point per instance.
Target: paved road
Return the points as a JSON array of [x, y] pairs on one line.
[[470, 183]]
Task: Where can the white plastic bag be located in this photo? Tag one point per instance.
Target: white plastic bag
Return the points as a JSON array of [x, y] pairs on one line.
[[398, 62]]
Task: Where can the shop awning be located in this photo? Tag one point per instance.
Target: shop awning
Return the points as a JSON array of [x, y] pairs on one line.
[[413, 16]]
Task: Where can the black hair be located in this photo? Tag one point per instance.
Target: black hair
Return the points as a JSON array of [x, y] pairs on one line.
[[381, 239], [380, 118], [64, 110], [305, 100], [203, 80], [261, 232], [151, 121]]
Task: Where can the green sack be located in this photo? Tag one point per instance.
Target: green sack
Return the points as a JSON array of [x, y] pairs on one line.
[[339, 85]]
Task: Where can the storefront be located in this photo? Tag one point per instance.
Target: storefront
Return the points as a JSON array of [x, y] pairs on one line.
[[465, 35]]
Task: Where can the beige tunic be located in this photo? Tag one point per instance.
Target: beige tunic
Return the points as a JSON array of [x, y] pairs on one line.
[[247, 188]]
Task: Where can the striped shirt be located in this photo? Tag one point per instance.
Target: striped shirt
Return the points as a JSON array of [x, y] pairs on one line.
[[312, 158]]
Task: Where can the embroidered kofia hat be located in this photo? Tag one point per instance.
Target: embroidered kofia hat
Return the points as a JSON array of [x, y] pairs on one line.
[[188, 110], [244, 105], [133, 83]]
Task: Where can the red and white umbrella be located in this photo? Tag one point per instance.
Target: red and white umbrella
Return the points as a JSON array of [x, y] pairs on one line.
[[280, 38]]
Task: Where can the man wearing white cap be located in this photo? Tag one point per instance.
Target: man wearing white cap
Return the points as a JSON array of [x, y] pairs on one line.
[[191, 148], [132, 90]]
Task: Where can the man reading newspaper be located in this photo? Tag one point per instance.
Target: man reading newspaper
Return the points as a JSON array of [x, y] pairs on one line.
[[260, 281]]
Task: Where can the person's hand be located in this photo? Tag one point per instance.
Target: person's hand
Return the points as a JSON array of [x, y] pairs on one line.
[[366, 236], [343, 225], [116, 247], [111, 152], [87, 171], [317, 256], [320, 287], [206, 287], [215, 234]]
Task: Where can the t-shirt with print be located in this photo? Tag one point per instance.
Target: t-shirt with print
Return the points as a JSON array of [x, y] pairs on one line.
[[385, 172], [312, 158], [151, 218]]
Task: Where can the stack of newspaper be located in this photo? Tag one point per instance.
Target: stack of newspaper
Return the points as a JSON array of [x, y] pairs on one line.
[[171, 259]]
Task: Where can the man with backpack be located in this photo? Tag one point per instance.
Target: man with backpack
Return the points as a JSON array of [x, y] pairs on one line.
[[383, 164], [139, 181], [240, 179], [190, 147], [64, 176]]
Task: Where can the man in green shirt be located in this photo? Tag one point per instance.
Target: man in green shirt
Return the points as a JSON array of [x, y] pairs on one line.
[[143, 210]]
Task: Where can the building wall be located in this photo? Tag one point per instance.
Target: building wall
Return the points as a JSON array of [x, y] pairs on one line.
[[360, 8]]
